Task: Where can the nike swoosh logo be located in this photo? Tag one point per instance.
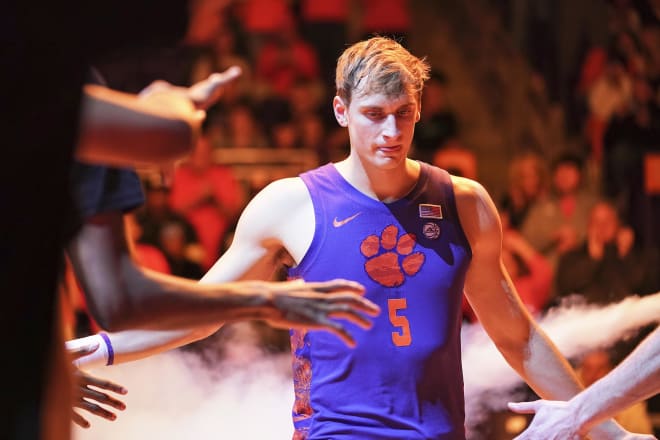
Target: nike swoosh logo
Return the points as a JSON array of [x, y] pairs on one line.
[[339, 223]]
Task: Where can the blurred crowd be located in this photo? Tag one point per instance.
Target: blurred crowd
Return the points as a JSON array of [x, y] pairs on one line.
[[579, 226]]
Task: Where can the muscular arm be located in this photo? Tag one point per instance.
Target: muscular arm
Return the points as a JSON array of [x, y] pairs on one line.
[[121, 295], [494, 300], [124, 296], [633, 380]]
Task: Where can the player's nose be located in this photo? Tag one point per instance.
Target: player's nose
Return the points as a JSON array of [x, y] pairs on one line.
[[391, 127]]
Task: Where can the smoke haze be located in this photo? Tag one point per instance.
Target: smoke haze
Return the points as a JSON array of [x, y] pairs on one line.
[[175, 395], [574, 328]]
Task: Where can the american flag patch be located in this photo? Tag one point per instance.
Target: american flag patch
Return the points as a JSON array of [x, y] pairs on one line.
[[427, 210]]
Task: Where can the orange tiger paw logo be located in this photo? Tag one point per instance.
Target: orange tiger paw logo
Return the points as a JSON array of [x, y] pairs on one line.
[[390, 257]]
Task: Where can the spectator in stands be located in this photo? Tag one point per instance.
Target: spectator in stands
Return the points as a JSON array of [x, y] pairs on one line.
[[324, 26], [610, 93], [177, 255], [240, 128], [385, 17], [527, 181], [530, 271], [313, 134], [284, 135], [437, 124], [456, 159], [286, 58], [208, 195], [557, 223], [145, 255], [606, 267], [156, 212], [262, 20], [305, 97]]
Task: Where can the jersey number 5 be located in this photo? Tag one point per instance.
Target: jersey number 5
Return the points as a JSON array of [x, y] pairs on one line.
[[402, 337]]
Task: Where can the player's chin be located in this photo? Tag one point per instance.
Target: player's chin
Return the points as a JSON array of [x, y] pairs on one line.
[[390, 158]]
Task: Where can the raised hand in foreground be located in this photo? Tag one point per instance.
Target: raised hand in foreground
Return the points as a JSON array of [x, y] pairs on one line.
[[90, 389]]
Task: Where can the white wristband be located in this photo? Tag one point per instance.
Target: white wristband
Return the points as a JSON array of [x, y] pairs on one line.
[[103, 355]]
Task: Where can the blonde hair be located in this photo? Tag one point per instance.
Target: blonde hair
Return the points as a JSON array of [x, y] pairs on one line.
[[380, 65]]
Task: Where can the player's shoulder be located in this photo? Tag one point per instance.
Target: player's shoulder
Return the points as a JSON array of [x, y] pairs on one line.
[[476, 209], [282, 193], [284, 188], [468, 190]]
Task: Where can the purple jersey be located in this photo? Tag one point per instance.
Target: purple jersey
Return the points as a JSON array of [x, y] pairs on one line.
[[404, 378]]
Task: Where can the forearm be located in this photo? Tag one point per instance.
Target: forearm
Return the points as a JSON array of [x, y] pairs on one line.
[[550, 375], [176, 302], [635, 379], [120, 295], [131, 345], [164, 312], [543, 367], [144, 299], [522, 343], [124, 130]]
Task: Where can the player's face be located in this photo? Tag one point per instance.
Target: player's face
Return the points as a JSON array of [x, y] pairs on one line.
[[380, 127]]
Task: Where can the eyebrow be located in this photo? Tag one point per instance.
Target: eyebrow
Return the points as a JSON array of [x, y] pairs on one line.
[[380, 107]]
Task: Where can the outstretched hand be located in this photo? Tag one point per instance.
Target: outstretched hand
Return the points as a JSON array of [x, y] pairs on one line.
[[314, 305], [206, 93], [556, 420], [202, 95], [88, 390]]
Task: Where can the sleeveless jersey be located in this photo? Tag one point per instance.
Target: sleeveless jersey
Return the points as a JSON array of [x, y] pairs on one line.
[[403, 380]]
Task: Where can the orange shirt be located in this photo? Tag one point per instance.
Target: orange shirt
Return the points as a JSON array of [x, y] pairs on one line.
[[324, 10], [386, 16], [265, 16], [204, 198], [151, 257]]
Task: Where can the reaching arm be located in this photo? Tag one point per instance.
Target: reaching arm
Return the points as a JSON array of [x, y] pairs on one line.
[[633, 380], [498, 307], [158, 126], [123, 296]]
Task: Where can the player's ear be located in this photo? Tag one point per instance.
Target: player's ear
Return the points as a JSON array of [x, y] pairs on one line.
[[341, 111]]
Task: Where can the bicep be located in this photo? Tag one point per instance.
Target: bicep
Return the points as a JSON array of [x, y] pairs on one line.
[[488, 287], [257, 246]]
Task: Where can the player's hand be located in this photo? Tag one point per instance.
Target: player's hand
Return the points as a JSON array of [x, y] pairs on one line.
[[557, 420], [317, 305], [90, 389], [207, 92], [202, 95], [553, 420]]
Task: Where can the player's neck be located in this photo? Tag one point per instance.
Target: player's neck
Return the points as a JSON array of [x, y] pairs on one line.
[[386, 185]]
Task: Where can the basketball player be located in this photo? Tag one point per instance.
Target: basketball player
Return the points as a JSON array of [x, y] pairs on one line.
[[416, 238]]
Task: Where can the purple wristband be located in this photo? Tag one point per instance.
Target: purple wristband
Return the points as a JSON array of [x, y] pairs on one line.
[[108, 344]]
